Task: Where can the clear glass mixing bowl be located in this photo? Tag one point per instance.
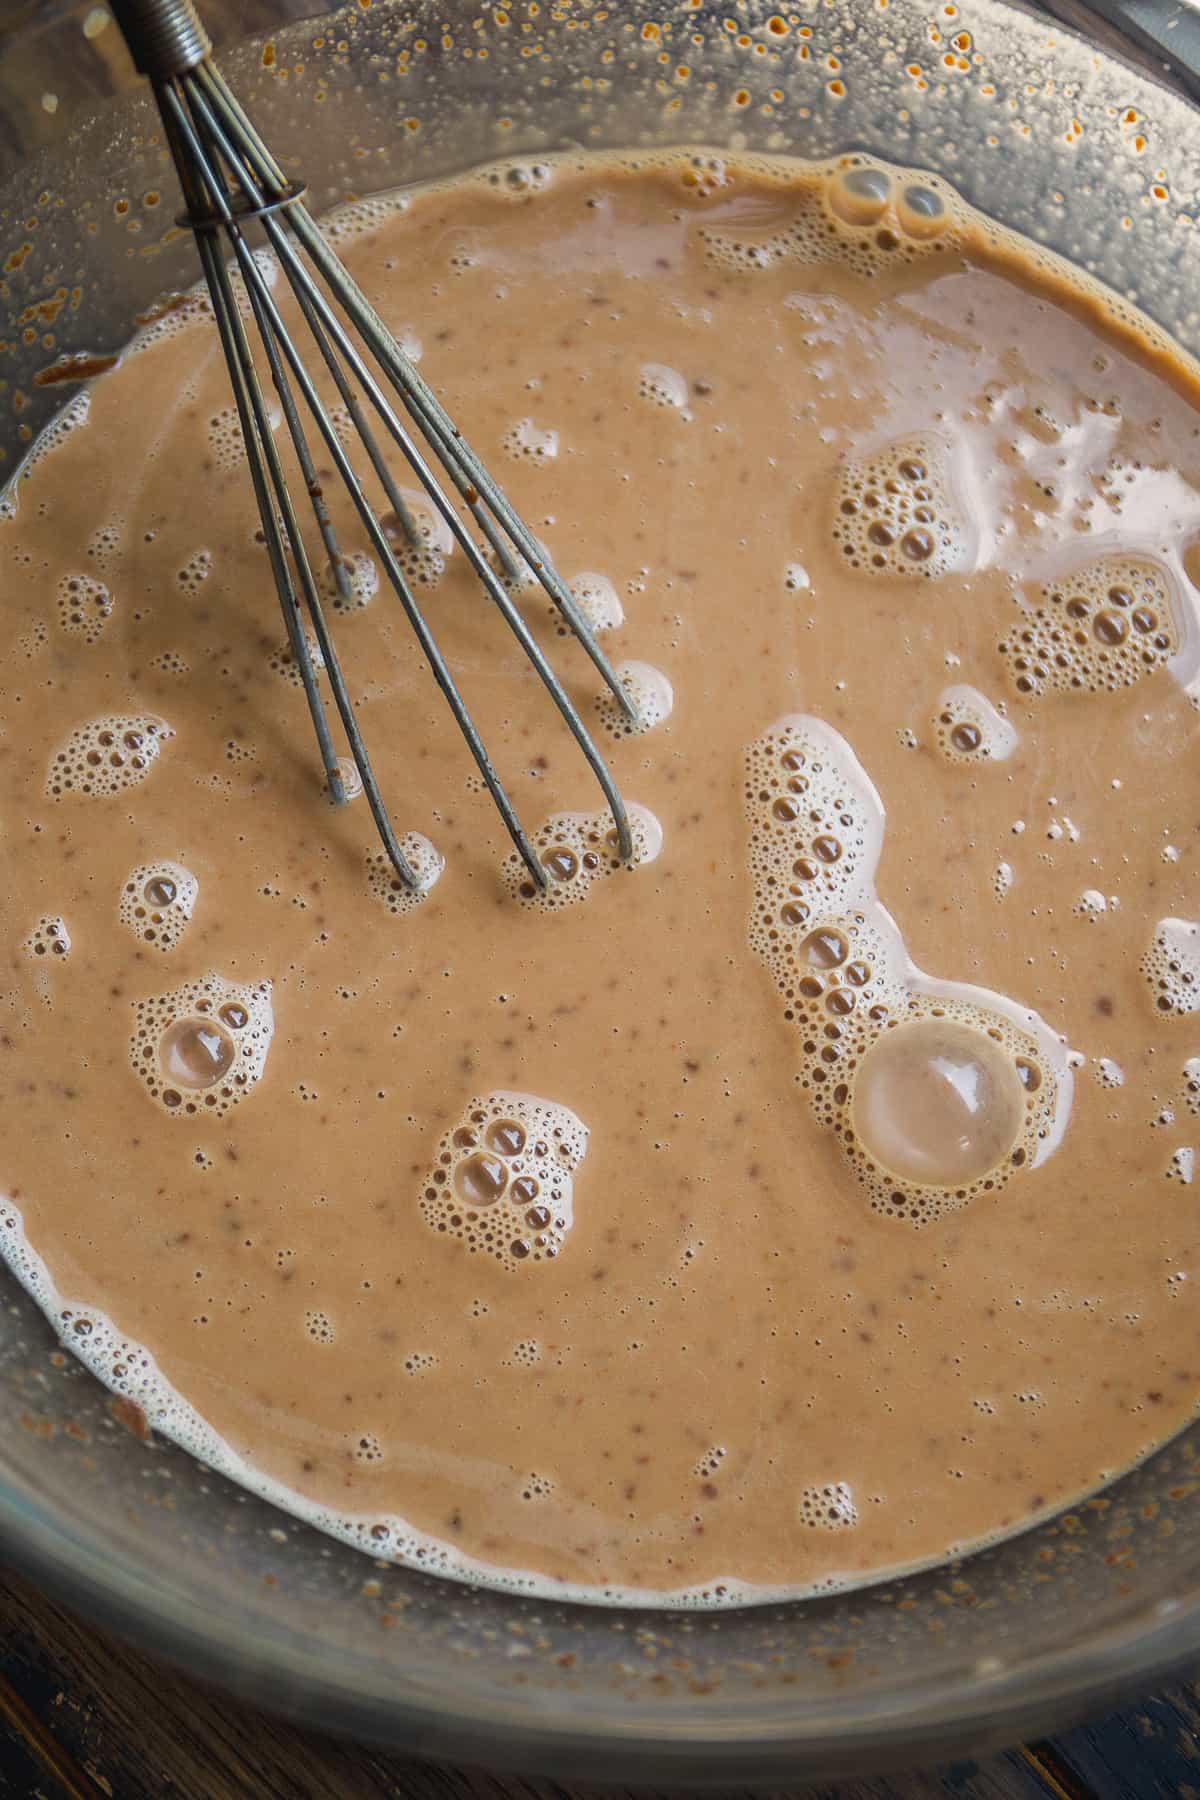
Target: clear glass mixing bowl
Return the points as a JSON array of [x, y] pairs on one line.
[[1012, 1640]]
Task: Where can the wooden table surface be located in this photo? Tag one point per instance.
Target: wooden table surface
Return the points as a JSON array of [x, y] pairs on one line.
[[82, 1717]]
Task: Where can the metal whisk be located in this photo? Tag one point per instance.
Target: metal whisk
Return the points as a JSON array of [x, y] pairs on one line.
[[229, 179]]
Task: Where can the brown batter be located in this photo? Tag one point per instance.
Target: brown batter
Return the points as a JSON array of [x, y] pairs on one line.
[[891, 483]]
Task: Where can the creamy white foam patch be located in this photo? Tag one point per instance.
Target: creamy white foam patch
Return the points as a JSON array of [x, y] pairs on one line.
[[107, 755], [1172, 966], [937, 1090], [353, 583], [651, 693], [156, 903], [201, 1048], [502, 1178], [578, 849], [1103, 626], [897, 512], [423, 858], [969, 729], [597, 600], [49, 940]]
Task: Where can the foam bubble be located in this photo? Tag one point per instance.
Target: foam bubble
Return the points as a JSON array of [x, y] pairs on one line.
[[666, 387], [1172, 966], [597, 600], [1102, 627], [1182, 1167], [319, 1327], [864, 219], [828, 1508], [501, 1180], [528, 442], [422, 563], [1191, 1084], [281, 662], [1091, 904], [796, 578], [578, 849], [1002, 880], [424, 859], [201, 1048], [49, 941], [107, 755], [652, 696], [359, 580], [84, 606], [224, 434], [195, 571], [937, 1090], [1107, 1073], [969, 729], [896, 511], [156, 903], [105, 542]]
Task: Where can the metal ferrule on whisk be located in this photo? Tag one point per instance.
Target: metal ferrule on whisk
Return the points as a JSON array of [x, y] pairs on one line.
[[165, 37]]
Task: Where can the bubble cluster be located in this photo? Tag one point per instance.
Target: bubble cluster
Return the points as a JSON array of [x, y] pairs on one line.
[[423, 562], [937, 1090], [424, 859], [104, 543], [666, 387], [107, 755], [969, 729], [867, 219], [578, 849], [1172, 966], [1182, 1166], [501, 1179], [224, 433], [1191, 1084], [522, 177], [49, 940], [358, 583], [652, 696], [828, 1508], [202, 1047], [317, 1325], [169, 662], [156, 903], [1103, 627], [895, 512], [598, 601], [84, 606], [281, 662], [195, 571], [528, 443]]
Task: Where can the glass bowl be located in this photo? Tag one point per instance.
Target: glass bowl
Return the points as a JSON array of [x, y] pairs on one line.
[[1013, 1640]]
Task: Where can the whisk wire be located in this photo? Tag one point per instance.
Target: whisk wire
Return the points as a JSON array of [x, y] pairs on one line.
[[261, 450], [312, 301], [230, 176]]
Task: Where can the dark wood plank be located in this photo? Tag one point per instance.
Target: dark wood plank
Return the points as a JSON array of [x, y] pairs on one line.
[[1150, 1749]]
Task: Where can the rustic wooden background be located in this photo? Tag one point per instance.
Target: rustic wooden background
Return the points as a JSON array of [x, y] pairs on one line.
[[82, 1717]]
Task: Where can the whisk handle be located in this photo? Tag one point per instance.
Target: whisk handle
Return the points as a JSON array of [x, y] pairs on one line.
[[165, 37]]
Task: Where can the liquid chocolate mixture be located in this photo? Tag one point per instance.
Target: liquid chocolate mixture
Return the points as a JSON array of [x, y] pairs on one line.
[[809, 1198]]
